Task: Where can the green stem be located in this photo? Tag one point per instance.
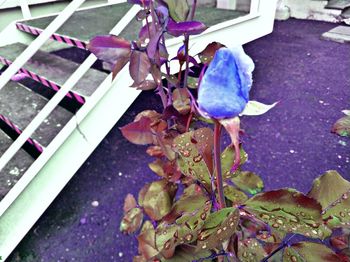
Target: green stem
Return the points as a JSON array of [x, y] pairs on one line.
[[217, 161]]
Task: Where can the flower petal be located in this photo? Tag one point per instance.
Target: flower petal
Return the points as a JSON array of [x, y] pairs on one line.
[[255, 108], [224, 89]]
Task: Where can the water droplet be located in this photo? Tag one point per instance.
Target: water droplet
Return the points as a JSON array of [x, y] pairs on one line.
[[315, 225], [187, 144], [245, 254], [203, 216], [232, 224], [219, 231], [204, 246], [275, 225], [345, 196], [167, 244], [189, 237], [279, 221], [265, 216], [224, 228], [197, 159], [314, 232], [293, 259], [293, 219], [302, 214], [186, 153], [342, 214]]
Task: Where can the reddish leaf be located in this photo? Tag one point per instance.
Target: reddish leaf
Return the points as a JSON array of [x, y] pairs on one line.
[[152, 114], [147, 241], [139, 66], [129, 203], [157, 198], [208, 53], [120, 63], [181, 100], [139, 132], [145, 85], [132, 221], [188, 28], [109, 48], [155, 151]]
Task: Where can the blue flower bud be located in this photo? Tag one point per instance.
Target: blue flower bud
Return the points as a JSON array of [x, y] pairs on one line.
[[224, 89]]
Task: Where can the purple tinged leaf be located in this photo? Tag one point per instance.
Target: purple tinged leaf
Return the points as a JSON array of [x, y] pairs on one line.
[[139, 66], [145, 85], [109, 48], [289, 211], [187, 27], [119, 65], [152, 46]]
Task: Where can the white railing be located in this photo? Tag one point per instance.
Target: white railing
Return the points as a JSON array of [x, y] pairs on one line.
[[67, 86]]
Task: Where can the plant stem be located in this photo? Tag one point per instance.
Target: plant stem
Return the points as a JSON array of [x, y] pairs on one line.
[[187, 38], [193, 10], [217, 159]]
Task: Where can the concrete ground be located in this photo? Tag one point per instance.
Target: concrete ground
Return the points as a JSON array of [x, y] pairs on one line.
[[288, 147]]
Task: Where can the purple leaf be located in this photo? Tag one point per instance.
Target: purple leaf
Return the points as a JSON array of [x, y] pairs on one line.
[[187, 27], [152, 46], [109, 48], [145, 85], [139, 66]]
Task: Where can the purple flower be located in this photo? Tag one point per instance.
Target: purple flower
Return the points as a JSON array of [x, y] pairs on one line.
[[224, 89]]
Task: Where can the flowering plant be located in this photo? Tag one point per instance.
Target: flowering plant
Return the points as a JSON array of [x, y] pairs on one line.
[[204, 206]]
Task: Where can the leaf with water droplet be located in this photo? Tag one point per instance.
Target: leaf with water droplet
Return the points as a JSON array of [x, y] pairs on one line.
[[289, 211], [250, 249], [310, 252], [236, 196], [146, 241], [182, 225], [332, 191], [192, 82], [192, 200], [219, 227], [248, 182], [188, 253], [227, 160], [157, 197], [195, 154]]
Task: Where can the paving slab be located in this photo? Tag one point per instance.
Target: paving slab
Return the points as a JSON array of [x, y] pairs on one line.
[[14, 170], [338, 4], [20, 105], [340, 34], [84, 25], [54, 69]]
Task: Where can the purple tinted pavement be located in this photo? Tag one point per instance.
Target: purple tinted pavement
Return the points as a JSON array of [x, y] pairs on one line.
[[289, 146]]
